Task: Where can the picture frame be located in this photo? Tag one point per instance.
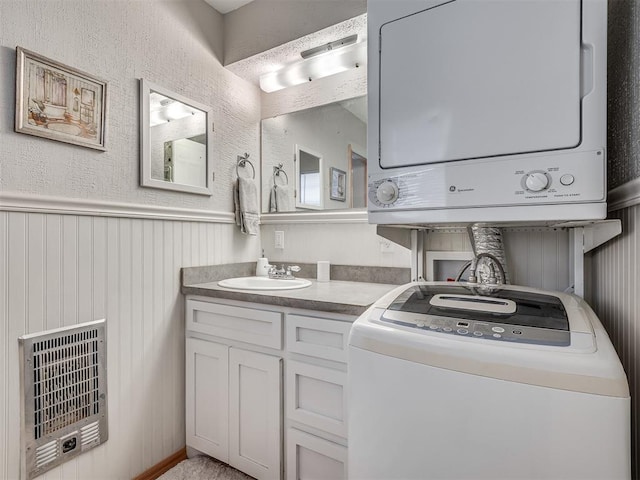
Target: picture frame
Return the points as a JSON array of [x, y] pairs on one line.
[[58, 102], [338, 190]]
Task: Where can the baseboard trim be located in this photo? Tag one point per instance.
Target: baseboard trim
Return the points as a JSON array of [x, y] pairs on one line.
[[163, 466]]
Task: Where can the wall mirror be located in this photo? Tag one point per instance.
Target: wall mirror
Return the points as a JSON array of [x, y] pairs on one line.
[[175, 142], [302, 151]]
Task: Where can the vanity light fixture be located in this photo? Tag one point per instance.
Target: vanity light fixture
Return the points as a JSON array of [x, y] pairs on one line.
[[327, 47], [323, 61]]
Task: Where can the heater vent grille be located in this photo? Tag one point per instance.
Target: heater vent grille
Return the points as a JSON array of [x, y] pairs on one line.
[[64, 394], [65, 381]]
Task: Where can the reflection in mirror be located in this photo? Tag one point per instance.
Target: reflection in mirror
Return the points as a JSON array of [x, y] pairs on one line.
[[308, 178], [175, 145], [334, 134], [358, 169]]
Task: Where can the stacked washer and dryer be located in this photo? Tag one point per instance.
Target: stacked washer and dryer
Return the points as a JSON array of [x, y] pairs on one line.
[[487, 111]]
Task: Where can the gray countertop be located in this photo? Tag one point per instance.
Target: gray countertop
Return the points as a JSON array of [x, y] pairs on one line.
[[336, 296], [347, 294]]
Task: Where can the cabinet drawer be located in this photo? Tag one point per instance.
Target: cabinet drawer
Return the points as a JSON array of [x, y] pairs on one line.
[[250, 325], [318, 337], [311, 457], [317, 397]]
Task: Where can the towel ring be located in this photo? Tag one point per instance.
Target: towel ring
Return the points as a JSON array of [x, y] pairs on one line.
[[277, 170], [242, 162]]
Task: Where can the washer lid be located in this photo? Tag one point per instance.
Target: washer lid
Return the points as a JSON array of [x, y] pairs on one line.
[[511, 307]]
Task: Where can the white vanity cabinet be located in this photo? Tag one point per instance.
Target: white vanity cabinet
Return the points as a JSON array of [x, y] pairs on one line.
[[266, 388], [234, 387], [316, 397]]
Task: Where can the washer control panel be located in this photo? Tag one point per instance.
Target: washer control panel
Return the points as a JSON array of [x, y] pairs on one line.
[[478, 329], [565, 178]]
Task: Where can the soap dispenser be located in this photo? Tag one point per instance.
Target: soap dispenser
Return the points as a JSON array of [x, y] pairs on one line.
[[262, 267]]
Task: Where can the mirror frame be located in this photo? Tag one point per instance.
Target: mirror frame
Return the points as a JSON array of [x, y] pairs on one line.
[[146, 180]]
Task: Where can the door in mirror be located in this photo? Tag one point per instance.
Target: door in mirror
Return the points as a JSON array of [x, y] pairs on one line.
[[309, 179], [358, 173]]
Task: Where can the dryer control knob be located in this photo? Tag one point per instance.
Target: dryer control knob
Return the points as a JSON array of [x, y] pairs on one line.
[[536, 181], [387, 192]]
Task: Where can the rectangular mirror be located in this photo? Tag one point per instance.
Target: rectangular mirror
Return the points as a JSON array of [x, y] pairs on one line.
[[309, 147], [175, 144]]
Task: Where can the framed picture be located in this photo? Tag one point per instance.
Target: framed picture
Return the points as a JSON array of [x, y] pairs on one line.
[[59, 102], [338, 184]]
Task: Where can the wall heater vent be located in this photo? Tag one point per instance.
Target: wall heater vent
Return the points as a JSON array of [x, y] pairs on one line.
[[64, 395]]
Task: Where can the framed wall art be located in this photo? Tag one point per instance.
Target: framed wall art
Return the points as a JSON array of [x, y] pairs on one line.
[[58, 102], [338, 184]]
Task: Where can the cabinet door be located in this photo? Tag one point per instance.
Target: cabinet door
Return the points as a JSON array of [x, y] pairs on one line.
[[255, 418], [314, 458], [207, 397]]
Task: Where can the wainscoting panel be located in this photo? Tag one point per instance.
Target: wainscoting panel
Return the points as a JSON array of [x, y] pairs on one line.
[[615, 297], [58, 270], [538, 257]]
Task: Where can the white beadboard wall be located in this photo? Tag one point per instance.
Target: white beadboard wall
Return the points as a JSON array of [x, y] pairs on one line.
[[65, 269], [615, 297]]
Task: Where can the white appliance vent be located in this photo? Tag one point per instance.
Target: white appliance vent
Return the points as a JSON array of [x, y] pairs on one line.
[[64, 395]]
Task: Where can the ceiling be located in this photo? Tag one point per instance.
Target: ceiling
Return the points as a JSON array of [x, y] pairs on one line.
[[251, 68], [226, 6]]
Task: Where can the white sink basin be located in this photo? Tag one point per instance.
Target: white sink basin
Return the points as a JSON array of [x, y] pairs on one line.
[[264, 283]]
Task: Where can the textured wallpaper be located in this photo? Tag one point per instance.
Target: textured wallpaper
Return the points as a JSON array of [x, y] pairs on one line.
[[175, 44], [623, 92]]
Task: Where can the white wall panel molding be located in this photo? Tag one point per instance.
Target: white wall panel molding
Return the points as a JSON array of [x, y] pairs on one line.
[[30, 203], [626, 195], [329, 216]]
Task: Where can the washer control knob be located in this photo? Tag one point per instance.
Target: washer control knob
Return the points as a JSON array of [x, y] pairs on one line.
[[387, 192], [536, 181]]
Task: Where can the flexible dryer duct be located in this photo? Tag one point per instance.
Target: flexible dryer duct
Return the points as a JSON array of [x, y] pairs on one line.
[[487, 239]]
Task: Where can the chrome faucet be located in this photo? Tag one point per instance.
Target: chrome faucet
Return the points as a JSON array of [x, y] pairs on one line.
[[283, 273]]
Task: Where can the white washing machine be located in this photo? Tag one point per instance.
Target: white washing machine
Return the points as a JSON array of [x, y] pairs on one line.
[[448, 381]]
